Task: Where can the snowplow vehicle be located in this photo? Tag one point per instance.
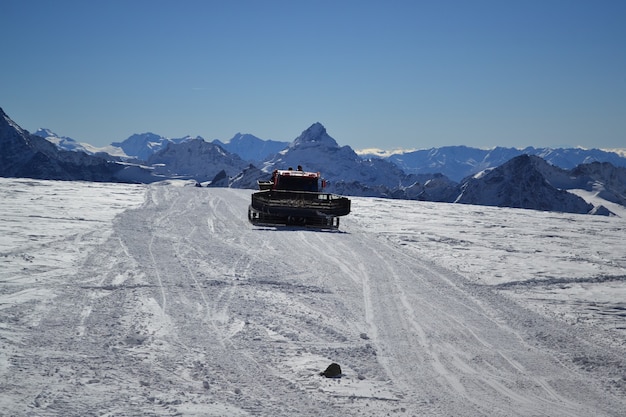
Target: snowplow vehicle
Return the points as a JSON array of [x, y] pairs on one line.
[[294, 198]]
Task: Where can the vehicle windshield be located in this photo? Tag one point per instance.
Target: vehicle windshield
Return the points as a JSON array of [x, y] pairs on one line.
[[297, 183]]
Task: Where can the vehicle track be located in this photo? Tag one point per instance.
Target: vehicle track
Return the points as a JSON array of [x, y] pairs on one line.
[[464, 348], [187, 309]]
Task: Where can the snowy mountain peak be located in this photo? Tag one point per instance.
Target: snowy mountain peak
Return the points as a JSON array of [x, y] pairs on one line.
[[241, 137], [316, 135], [46, 133], [61, 142], [142, 145]]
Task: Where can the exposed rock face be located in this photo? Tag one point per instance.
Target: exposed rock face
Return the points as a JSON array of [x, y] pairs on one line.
[[520, 183]]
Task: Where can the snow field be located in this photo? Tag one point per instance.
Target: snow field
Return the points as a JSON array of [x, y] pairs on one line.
[[164, 300]]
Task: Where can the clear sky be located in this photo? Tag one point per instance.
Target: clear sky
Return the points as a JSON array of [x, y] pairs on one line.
[[387, 74]]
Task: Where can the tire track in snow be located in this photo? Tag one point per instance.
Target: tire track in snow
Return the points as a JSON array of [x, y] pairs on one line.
[[388, 314], [217, 309], [459, 343], [218, 214], [377, 298], [471, 310], [199, 242], [157, 274], [455, 359], [493, 380]]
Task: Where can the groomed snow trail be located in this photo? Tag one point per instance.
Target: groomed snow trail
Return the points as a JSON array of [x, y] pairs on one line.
[[187, 309]]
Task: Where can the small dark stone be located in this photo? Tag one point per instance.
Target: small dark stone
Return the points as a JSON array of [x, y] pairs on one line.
[[333, 371]]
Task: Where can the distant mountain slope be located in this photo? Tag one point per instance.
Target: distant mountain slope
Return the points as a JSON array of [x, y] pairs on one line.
[[454, 162], [520, 183], [195, 159], [250, 148], [142, 146], [245, 179]]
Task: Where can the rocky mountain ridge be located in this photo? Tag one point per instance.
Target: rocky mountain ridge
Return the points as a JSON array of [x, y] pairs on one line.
[[523, 181]]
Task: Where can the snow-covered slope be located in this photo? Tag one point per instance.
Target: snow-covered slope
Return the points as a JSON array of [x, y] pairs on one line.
[[607, 180], [178, 306], [62, 142]]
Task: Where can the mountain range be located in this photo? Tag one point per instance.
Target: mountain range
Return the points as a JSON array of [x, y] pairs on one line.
[[532, 178], [458, 162], [30, 156]]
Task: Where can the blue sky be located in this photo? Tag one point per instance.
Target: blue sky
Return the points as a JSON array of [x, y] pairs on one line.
[[387, 74]]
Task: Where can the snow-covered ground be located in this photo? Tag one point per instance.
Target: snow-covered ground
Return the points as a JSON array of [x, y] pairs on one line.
[[163, 300]]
